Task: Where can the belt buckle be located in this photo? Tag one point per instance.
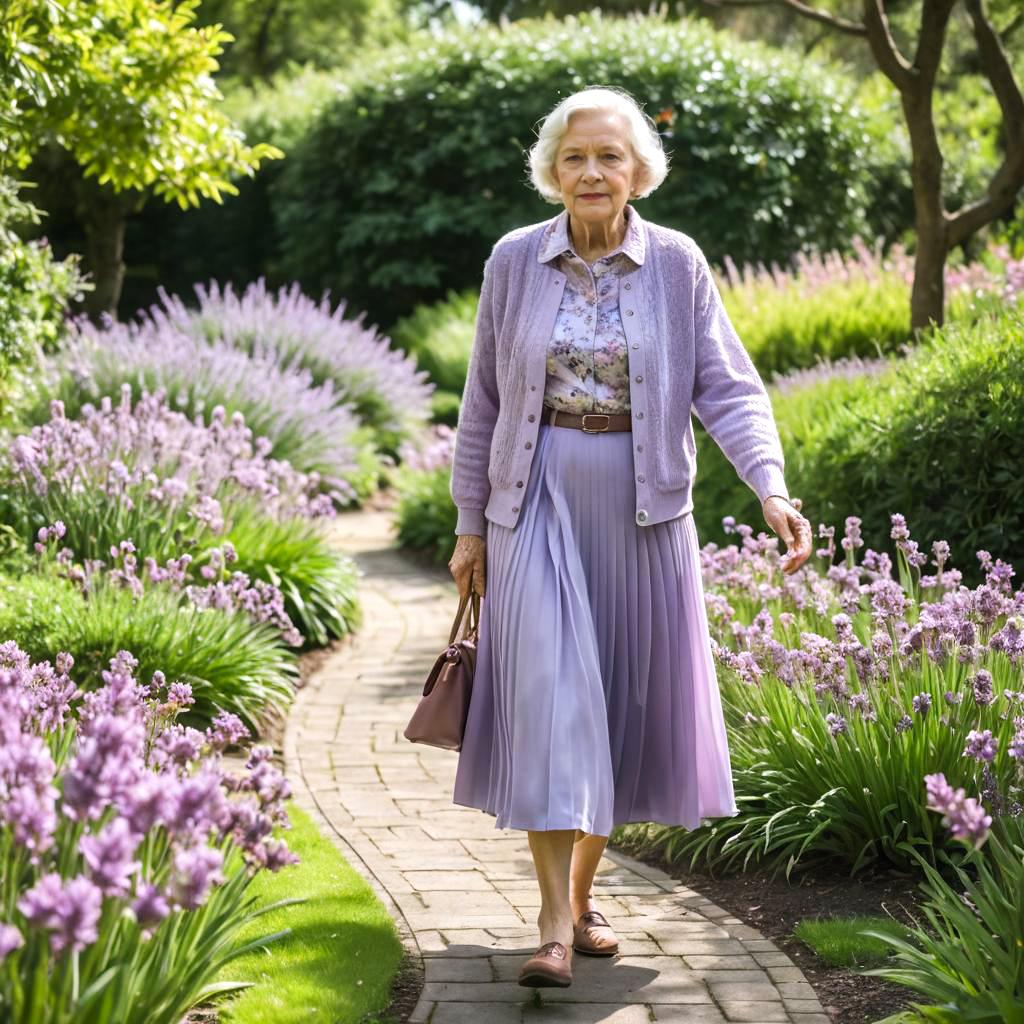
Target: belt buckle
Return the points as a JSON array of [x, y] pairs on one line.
[[595, 430]]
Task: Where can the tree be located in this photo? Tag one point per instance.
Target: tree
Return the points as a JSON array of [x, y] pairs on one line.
[[124, 89], [937, 230]]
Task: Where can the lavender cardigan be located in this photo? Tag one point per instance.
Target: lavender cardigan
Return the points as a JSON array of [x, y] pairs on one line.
[[683, 353]]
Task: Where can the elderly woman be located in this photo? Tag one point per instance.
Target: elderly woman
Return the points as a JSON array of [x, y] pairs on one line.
[[595, 699]]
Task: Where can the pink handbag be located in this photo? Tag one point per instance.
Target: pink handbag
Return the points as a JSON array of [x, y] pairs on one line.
[[440, 717]]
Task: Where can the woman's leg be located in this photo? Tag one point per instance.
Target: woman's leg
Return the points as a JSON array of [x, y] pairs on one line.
[[552, 859], [586, 855]]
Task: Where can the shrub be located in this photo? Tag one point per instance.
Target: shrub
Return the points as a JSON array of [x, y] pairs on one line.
[[34, 290], [444, 123], [146, 473], [381, 383], [318, 582], [173, 488], [940, 435], [125, 856], [841, 689], [424, 515], [308, 426]]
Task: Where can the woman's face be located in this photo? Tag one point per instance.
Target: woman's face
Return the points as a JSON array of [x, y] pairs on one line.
[[595, 166]]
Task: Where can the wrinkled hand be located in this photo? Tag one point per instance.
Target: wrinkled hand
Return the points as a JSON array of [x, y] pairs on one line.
[[785, 519], [468, 564]]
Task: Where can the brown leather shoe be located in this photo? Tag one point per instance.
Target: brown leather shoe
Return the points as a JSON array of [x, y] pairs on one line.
[[587, 937], [549, 967]]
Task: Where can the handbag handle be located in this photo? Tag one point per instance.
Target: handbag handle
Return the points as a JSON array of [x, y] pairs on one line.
[[472, 598]]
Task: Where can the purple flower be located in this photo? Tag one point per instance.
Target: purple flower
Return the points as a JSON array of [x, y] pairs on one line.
[[10, 940], [965, 817], [195, 869], [981, 745], [150, 906], [922, 702], [70, 911], [836, 723], [109, 853], [982, 686]]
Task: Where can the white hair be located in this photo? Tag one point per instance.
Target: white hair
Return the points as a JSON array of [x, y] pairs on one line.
[[641, 135]]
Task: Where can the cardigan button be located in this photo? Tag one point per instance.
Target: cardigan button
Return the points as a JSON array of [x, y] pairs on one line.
[[533, 387], [529, 444], [636, 344], [515, 508], [640, 477], [639, 415], [639, 377], [641, 515], [629, 312], [531, 417], [627, 286], [519, 483]]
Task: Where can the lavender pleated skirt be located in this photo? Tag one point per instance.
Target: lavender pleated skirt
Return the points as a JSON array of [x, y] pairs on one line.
[[595, 700]]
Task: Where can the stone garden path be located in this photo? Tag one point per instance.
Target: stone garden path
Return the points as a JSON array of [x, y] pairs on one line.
[[463, 892]]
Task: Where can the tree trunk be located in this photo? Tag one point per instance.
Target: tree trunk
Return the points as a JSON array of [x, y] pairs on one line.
[[927, 296], [101, 212]]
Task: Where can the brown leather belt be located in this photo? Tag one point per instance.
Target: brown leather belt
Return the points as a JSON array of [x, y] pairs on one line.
[[588, 422]]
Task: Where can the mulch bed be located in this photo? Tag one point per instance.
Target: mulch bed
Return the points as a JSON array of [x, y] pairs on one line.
[[774, 906]]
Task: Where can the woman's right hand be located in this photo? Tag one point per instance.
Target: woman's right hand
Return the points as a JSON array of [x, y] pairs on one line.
[[468, 564]]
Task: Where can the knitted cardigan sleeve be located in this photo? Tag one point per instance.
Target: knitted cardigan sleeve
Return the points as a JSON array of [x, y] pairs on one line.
[[470, 486], [728, 394]]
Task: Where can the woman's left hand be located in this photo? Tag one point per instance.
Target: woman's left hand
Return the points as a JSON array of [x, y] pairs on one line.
[[785, 519]]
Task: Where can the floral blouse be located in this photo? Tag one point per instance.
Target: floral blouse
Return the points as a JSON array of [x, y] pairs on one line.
[[587, 366]]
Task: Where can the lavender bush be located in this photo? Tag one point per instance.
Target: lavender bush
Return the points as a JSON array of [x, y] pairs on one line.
[[147, 472], [231, 661], [126, 848], [381, 383], [843, 686], [309, 426]]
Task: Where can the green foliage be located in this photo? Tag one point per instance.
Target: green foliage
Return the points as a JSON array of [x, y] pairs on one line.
[[232, 662], [939, 438], [444, 122], [34, 290], [424, 515], [319, 583], [969, 960], [842, 942], [441, 336], [273, 35], [141, 70]]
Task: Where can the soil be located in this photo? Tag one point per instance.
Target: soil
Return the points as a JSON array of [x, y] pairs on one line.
[[774, 906]]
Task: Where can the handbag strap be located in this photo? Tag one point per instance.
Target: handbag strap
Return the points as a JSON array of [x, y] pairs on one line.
[[472, 598]]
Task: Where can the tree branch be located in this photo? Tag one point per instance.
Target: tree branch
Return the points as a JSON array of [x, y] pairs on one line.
[[1009, 178], [890, 61], [854, 28]]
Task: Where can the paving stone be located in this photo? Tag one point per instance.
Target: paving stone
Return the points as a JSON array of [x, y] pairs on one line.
[[477, 1013], [585, 1013], [464, 891], [674, 1013], [457, 968], [460, 881], [753, 1012]]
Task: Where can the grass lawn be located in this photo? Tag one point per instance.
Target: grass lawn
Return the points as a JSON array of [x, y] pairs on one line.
[[338, 962]]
